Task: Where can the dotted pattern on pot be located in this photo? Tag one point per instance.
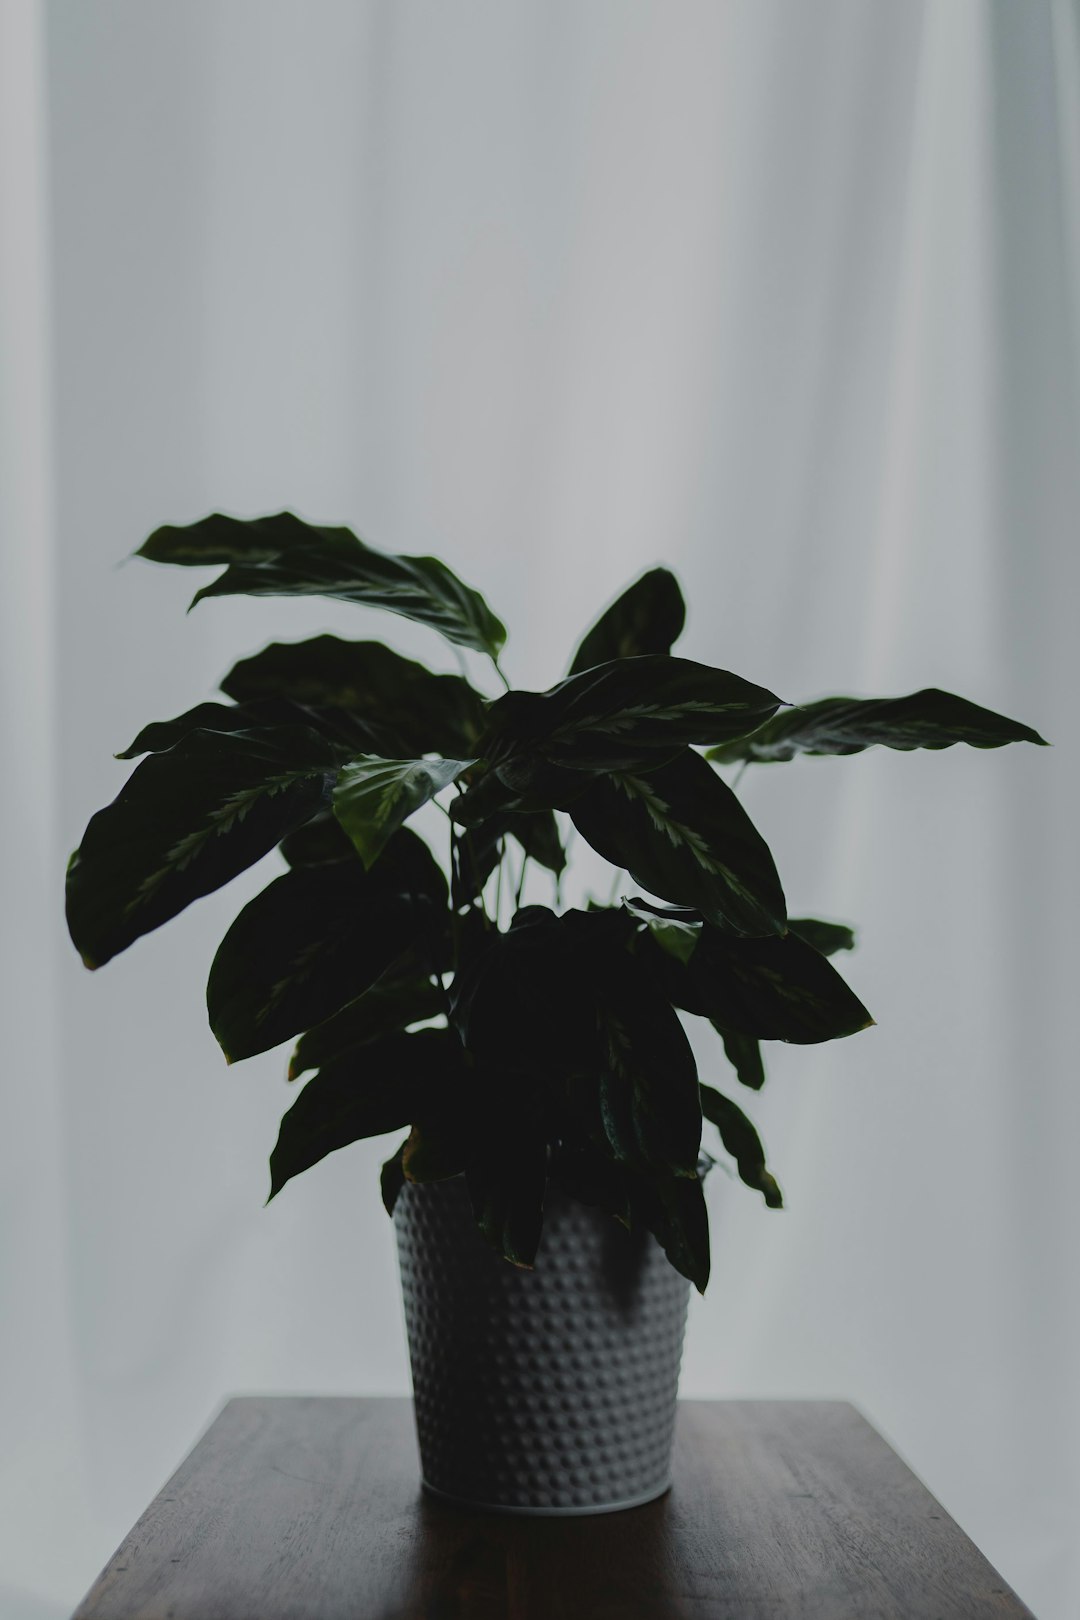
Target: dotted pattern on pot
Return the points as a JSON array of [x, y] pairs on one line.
[[549, 1390]]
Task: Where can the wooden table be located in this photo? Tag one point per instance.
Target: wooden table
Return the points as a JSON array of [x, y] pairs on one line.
[[310, 1509]]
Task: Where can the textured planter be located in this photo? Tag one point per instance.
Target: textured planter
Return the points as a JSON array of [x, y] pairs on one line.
[[549, 1391]]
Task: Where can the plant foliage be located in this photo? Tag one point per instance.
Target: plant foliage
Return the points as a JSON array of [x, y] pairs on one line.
[[518, 1044]]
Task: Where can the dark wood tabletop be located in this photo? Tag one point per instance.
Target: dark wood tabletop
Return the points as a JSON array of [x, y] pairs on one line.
[[310, 1508]]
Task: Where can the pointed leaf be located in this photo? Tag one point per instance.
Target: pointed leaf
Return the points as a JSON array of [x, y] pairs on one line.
[[392, 1179], [684, 841], [314, 940], [375, 795], [826, 937], [744, 1054], [777, 989], [592, 1177], [629, 712], [743, 1143], [401, 996], [398, 1079], [649, 1099], [186, 822], [322, 841], [842, 725], [437, 1146], [282, 555], [647, 618], [673, 1209], [410, 710], [506, 1176]]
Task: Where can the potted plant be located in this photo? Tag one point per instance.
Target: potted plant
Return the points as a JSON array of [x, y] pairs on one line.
[[536, 1056]]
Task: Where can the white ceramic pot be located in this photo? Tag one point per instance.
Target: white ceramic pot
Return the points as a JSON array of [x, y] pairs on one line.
[[549, 1391]]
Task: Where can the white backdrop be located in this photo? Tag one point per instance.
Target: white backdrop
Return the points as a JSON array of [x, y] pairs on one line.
[[780, 292]]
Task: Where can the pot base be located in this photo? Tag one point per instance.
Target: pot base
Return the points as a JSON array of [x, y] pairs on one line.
[[549, 1512]]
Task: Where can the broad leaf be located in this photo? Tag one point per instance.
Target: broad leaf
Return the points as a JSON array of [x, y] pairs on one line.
[[374, 796], [646, 618], [314, 940], [475, 853], [186, 822], [409, 710], [506, 1176], [649, 1100], [333, 724], [744, 1054], [322, 841], [673, 1209], [743, 1143], [522, 784], [282, 555], [437, 1147], [392, 1179], [593, 1177], [683, 835], [778, 989], [162, 734], [401, 996], [522, 1005], [538, 834], [397, 1080], [626, 713], [842, 725], [826, 937]]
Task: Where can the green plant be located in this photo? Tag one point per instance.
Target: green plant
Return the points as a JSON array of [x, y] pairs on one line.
[[550, 1047]]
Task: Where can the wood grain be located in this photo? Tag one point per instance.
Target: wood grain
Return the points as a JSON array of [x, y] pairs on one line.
[[310, 1509]]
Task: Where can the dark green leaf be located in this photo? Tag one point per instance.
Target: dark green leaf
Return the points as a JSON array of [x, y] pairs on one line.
[[646, 618], [186, 822], [392, 1179], [627, 713], [375, 795], [743, 1143], [592, 1177], [162, 734], [410, 711], [314, 940], [673, 1209], [522, 1005], [842, 725], [777, 989], [399, 997], [523, 784], [397, 1079], [476, 852], [319, 842], [826, 937], [538, 835], [438, 1145], [682, 839], [649, 1099], [506, 1176], [744, 1054], [283, 556]]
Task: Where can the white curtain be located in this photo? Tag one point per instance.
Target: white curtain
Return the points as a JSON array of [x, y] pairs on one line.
[[783, 293]]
